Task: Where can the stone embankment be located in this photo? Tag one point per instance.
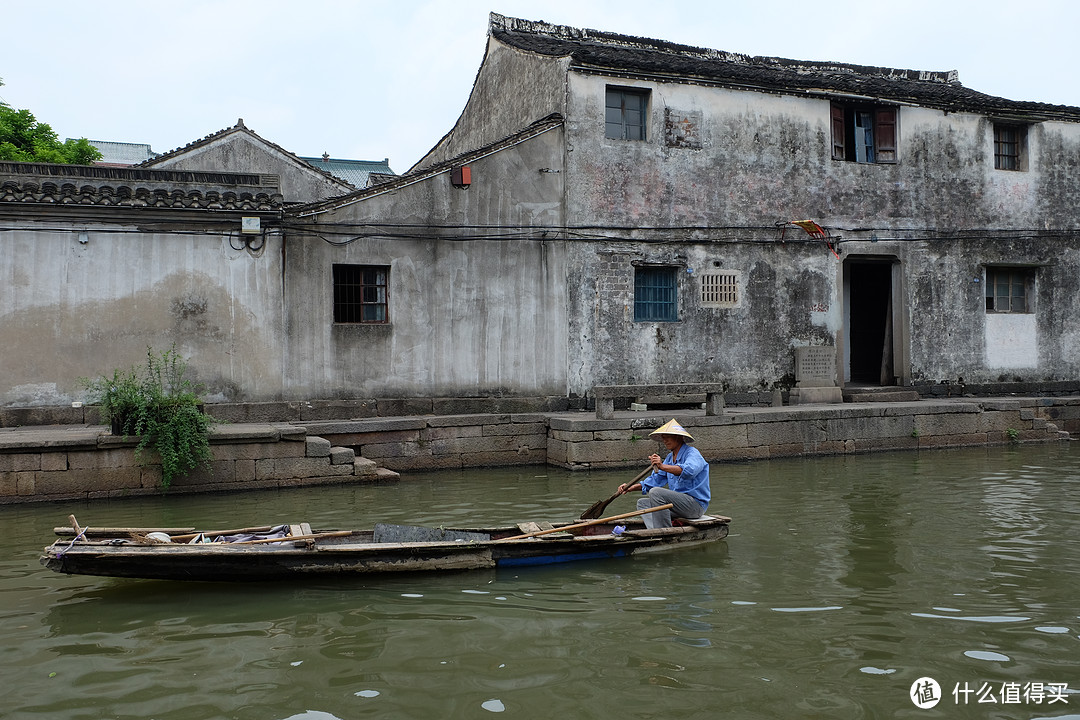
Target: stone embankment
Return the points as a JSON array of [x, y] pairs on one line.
[[87, 462], [80, 461]]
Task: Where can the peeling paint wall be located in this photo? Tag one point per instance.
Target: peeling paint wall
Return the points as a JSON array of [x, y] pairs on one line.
[[70, 309]]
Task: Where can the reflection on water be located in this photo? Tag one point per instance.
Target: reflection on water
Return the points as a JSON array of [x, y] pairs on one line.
[[843, 581]]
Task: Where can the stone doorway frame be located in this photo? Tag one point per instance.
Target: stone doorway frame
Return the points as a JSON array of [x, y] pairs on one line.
[[897, 322]]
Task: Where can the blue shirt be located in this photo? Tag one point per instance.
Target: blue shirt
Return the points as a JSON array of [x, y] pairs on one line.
[[694, 480]]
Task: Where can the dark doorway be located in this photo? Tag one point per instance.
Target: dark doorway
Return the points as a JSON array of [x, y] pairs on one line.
[[870, 322]]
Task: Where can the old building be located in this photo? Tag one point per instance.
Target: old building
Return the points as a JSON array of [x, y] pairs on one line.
[[612, 210], [626, 219], [239, 149]]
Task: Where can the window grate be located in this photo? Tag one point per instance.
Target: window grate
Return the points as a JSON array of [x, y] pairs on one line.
[[360, 294], [719, 289], [1008, 143], [655, 295]]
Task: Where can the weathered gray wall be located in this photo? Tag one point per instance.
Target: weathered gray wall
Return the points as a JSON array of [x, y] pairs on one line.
[[468, 316], [512, 89], [70, 309], [763, 159], [749, 346]]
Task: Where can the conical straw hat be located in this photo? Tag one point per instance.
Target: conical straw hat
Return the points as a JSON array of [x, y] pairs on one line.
[[672, 427]]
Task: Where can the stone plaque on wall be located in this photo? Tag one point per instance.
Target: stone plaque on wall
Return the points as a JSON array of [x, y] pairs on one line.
[[815, 366]]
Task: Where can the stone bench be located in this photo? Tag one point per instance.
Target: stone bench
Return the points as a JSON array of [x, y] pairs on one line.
[[605, 395]]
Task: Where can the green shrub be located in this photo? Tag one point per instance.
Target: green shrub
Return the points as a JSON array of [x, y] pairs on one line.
[[162, 407]]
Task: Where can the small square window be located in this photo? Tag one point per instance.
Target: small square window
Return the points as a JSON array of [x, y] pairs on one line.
[[1010, 143], [624, 116], [655, 298], [1010, 290], [360, 294]]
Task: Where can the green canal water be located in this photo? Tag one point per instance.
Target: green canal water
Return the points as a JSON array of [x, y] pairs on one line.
[[844, 582]]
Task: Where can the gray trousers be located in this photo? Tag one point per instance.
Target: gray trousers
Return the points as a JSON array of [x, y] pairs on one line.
[[683, 506]]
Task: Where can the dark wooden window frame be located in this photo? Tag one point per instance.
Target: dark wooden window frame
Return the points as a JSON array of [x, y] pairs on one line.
[[1010, 289], [1010, 146], [361, 294], [849, 120], [626, 111]]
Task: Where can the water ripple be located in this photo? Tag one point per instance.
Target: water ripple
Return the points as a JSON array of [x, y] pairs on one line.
[[980, 619]]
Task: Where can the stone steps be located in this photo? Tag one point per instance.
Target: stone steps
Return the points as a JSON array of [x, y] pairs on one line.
[[879, 394]]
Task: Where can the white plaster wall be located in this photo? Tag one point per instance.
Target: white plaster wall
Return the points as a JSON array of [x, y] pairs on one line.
[[468, 316], [1011, 341], [70, 309]]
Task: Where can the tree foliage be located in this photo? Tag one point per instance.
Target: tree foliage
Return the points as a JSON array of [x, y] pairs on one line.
[[24, 139]]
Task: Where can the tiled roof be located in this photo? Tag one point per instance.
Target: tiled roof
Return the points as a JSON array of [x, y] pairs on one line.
[[45, 184], [602, 52], [240, 127], [354, 172]]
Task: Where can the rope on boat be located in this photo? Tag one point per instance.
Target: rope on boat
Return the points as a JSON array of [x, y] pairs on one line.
[[81, 534]]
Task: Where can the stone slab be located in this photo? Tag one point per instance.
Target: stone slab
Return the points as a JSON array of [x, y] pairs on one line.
[[814, 395], [342, 456], [317, 447]]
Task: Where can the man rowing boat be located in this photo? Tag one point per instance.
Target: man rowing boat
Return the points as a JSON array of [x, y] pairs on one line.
[[681, 479]]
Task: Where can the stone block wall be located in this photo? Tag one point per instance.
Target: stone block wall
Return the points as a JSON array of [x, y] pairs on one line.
[[89, 463], [443, 441], [817, 430], [83, 462]]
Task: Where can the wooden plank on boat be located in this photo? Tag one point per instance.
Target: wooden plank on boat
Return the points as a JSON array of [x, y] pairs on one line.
[[551, 531]]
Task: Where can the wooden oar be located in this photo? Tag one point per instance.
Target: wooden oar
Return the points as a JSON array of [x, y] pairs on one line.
[[575, 526], [597, 508]]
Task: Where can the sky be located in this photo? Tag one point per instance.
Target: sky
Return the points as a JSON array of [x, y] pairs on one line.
[[378, 79]]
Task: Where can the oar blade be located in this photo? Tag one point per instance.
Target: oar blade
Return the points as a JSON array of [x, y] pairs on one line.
[[596, 510]]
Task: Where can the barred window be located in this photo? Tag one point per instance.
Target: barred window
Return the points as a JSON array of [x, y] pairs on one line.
[[360, 294], [654, 294], [720, 289], [1009, 142]]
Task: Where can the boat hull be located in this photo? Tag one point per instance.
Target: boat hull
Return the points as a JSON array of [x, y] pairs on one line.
[[358, 555]]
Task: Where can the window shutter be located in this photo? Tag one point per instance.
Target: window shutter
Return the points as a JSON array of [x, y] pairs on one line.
[[838, 151], [885, 134]]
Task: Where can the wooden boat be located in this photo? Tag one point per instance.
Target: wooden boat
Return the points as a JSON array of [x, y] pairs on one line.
[[191, 554]]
